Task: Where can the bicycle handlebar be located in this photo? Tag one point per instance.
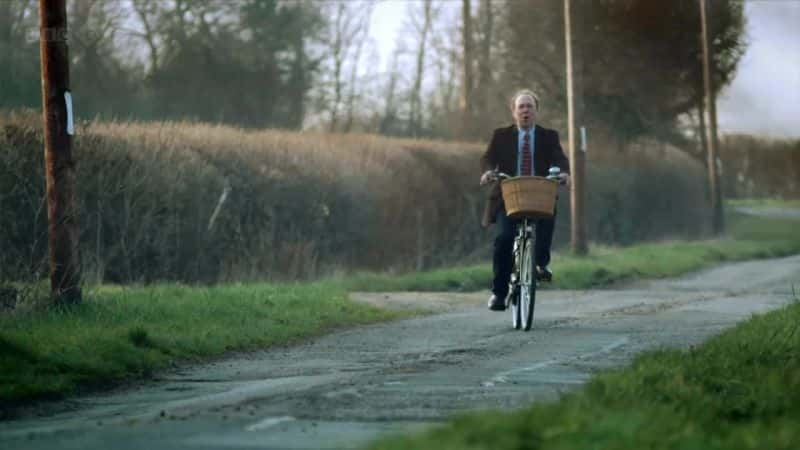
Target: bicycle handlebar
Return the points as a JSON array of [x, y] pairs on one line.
[[497, 175]]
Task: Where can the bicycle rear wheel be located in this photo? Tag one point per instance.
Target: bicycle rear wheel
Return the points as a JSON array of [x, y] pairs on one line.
[[527, 287]]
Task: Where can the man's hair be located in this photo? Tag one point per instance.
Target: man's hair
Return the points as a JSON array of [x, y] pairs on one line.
[[522, 92]]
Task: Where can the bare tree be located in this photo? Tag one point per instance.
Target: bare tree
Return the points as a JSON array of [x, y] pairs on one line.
[[346, 28], [354, 91], [98, 75], [15, 18], [390, 106], [423, 29], [444, 103], [19, 70], [486, 14], [446, 62], [146, 13], [94, 26], [466, 101]]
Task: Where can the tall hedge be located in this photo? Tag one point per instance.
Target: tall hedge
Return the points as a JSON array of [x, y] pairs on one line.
[[293, 205]]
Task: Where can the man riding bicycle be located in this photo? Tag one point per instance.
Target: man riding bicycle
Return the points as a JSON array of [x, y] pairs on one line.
[[522, 149]]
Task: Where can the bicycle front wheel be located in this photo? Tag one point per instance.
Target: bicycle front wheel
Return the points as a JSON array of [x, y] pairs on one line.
[[516, 317], [527, 286]]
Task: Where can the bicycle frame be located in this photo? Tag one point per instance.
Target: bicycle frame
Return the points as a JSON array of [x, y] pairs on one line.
[[522, 285], [524, 235]]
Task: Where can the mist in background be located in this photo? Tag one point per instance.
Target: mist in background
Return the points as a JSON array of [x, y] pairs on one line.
[[764, 97]]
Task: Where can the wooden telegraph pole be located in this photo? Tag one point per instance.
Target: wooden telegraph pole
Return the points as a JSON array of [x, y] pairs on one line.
[[59, 165], [576, 159], [712, 143]]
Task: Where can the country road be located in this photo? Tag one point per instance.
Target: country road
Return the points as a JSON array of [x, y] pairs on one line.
[[343, 389]]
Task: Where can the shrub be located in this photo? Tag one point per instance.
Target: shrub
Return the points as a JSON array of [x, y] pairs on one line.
[[205, 203]]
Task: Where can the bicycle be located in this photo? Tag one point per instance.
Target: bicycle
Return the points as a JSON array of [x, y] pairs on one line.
[[522, 285]]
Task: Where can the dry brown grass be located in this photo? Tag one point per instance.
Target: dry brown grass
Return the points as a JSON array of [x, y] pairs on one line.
[[299, 204]]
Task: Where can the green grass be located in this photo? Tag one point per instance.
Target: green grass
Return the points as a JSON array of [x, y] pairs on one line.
[[121, 333], [748, 237], [128, 332], [765, 202], [739, 390]]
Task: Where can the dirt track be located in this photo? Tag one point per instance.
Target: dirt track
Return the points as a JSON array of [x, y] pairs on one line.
[[343, 389]]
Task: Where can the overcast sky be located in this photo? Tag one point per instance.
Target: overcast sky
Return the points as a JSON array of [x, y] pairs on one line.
[[764, 98]]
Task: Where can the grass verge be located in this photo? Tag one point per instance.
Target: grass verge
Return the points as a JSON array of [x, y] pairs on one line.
[[127, 332], [748, 237], [764, 202], [739, 390]]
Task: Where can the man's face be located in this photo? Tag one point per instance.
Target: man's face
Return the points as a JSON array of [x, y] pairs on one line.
[[524, 111]]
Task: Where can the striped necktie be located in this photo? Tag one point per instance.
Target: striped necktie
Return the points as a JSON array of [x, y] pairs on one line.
[[527, 165]]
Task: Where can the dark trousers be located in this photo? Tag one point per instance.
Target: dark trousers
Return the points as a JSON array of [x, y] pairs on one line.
[[504, 246]]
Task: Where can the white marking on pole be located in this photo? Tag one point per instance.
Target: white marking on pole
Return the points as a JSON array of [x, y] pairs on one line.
[[583, 139], [70, 124], [269, 422]]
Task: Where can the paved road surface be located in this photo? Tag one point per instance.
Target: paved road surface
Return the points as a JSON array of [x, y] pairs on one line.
[[770, 211], [343, 389]]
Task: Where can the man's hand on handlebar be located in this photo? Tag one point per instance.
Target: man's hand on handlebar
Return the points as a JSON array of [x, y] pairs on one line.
[[492, 175], [488, 177]]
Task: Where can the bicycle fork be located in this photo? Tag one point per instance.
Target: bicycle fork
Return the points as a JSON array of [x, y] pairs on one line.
[[524, 233]]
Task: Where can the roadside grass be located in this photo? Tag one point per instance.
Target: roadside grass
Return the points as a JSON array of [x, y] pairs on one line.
[[125, 333], [748, 237], [120, 333], [764, 202], [739, 390]]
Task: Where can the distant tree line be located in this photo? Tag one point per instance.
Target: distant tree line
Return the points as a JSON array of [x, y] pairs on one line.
[[637, 63], [761, 167], [311, 64], [246, 62]]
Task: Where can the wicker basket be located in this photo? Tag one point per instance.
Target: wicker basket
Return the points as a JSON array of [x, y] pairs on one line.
[[529, 197]]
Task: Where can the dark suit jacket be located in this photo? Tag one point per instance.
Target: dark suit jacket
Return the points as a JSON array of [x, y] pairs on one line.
[[502, 154]]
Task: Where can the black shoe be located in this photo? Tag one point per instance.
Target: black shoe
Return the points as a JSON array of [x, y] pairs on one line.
[[497, 303], [543, 274]]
